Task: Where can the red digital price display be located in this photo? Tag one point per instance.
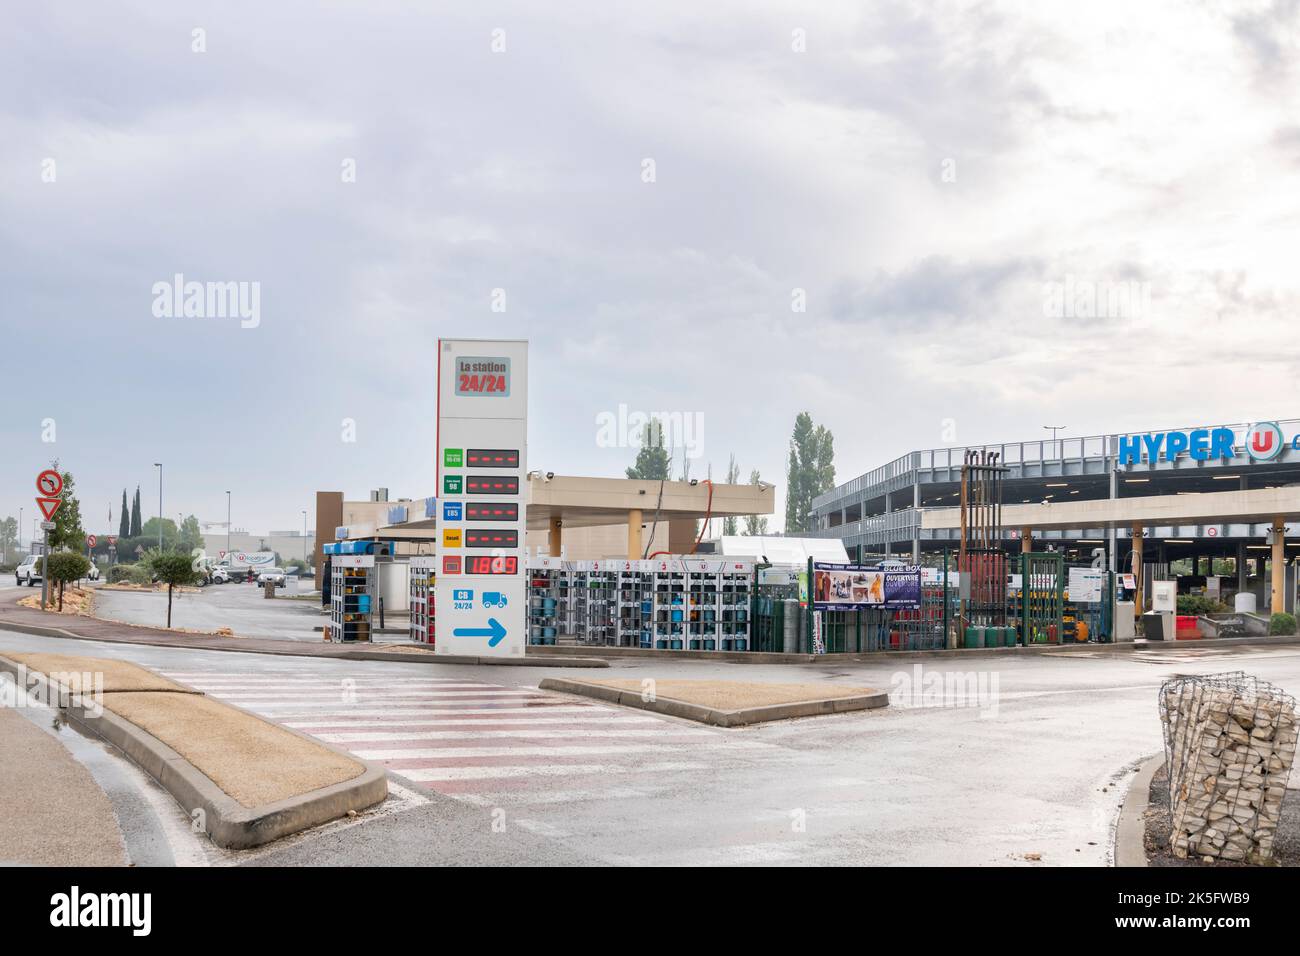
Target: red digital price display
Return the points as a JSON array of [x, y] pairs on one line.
[[486, 564], [491, 458], [491, 511], [491, 485], [491, 538]]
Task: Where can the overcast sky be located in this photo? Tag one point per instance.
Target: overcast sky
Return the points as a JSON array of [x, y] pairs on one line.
[[949, 185]]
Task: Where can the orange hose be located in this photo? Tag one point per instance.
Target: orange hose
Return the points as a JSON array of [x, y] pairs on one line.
[[708, 514]]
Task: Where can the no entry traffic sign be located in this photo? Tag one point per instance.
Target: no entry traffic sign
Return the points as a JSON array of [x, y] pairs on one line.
[[49, 483]]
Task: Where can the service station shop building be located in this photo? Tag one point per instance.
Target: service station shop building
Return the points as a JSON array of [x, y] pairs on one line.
[[1139, 501]]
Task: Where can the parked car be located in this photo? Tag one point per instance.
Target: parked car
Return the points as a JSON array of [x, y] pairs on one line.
[[93, 573], [275, 575], [224, 575], [30, 571]]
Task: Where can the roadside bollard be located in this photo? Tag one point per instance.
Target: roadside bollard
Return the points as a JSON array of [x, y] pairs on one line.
[[268, 588]]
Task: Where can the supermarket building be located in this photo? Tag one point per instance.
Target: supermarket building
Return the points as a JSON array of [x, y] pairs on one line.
[[1146, 499]]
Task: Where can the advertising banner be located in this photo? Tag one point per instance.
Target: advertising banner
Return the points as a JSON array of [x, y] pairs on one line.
[[849, 587]]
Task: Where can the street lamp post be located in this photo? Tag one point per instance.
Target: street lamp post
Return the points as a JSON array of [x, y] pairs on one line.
[[158, 465], [1054, 429], [304, 536], [227, 522]]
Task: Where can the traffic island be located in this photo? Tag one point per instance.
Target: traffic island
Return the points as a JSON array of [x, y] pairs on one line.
[[725, 703], [241, 779], [79, 601]]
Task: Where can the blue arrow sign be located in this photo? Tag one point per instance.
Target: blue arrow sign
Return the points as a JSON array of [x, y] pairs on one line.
[[494, 632]]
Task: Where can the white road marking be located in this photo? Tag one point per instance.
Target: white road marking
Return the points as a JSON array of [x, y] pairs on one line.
[[543, 770], [461, 753], [375, 736]]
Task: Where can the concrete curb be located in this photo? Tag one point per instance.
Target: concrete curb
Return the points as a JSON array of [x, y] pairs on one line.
[[226, 822], [1256, 640], [415, 657], [709, 715], [425, 657], [1130, 832], [771, 657]]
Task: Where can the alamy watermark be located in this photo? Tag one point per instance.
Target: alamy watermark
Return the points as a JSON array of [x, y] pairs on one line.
[[208, 300], [74, 908], [630, 428], [920, 687], [56, 691], [1085, 299]]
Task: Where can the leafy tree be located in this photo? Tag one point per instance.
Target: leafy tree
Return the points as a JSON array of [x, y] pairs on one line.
[[810, 472], [127, 547], [135, 515], [169, 533], [191, 535], [652, 460], [68, 532], [8, 535], [753, 523], [732, 525], [65, 566], [173, 569], [124, 520]]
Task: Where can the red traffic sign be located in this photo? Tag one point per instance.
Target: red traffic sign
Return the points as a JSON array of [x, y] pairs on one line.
[[91, 540], [49, 483], [112, 541], [49, 506]]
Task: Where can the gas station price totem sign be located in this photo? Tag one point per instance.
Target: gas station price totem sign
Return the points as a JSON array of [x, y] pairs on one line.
[[482, 462]]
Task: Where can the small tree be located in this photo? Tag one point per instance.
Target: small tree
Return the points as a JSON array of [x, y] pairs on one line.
[[732, 525], [172, 569], [652, 460], [755, 525], [68, 532], [65, 566], [8, 535]]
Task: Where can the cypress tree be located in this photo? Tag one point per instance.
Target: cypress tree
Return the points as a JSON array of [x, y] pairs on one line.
[[136, 529], [124, 521]]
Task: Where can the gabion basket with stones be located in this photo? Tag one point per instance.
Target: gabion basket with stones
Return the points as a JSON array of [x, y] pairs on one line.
[[1229, 743]]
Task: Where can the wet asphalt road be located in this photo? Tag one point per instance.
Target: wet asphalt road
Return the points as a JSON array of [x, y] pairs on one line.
[[1020, 761], [241, 607]]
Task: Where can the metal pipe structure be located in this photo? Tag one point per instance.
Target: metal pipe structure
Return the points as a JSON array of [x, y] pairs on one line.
[[981, 559]]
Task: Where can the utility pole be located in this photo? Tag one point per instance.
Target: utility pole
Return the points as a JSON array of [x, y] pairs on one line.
[[158, 465], [304, 537], [1054, 429], [45, 562]]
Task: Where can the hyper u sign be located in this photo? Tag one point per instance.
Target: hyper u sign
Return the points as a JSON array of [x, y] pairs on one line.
[[1263, 442]]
